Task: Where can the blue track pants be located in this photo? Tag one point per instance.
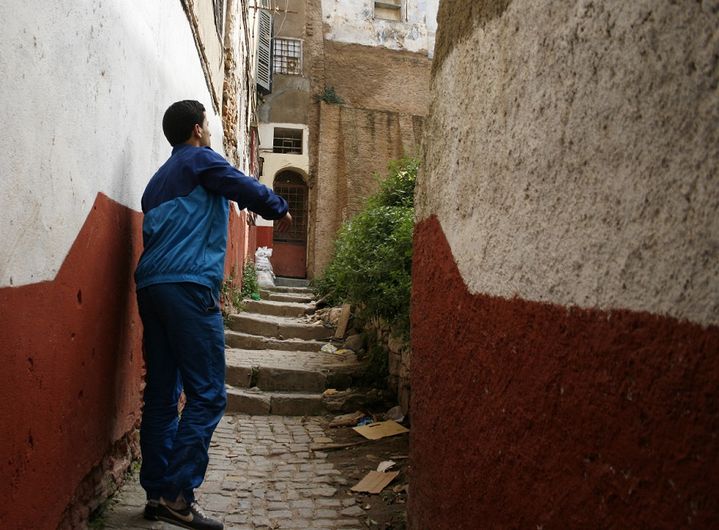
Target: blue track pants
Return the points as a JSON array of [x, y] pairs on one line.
[[184, 349]]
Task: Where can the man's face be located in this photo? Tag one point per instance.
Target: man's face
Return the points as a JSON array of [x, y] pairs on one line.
[[205, 133]]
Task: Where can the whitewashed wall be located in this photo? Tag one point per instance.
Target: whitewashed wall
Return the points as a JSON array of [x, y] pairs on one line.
[[85, 84], [352, 21]]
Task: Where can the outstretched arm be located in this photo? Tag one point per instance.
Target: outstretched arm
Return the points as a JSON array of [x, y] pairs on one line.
[[219, 176]]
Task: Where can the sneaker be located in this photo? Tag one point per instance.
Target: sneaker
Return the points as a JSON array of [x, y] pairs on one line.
[[150, 512], [188, 517]]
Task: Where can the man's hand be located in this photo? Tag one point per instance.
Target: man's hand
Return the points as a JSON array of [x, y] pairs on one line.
[[282, 225]]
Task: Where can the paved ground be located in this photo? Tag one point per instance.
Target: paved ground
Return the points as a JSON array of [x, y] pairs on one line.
[[262, 475]]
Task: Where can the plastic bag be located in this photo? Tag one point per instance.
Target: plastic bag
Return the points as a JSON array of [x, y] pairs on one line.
[[263, 266]]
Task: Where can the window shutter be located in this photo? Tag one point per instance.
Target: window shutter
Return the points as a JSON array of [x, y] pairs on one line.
[[264, 58]]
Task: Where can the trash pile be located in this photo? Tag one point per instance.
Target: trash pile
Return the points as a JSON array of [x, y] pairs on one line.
[[371, 427], [371, 450]]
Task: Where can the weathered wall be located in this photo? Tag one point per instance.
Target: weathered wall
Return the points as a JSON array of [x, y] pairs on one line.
[[86, 86], [566, 250], [356, 144], [385, 94], [378, 78], [354, 21], [209, 41]]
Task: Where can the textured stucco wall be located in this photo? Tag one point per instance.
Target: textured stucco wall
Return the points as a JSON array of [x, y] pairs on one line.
[[566, 249], [353, 21], [356, 144], [289, 100], [582, 141], [89, 86]]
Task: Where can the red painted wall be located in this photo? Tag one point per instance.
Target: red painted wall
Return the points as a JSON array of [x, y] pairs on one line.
[[264, 236], [238, 250], [531, 415], [72, 369]]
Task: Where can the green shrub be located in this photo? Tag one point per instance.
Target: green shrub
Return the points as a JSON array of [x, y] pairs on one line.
[[230, 298], [372, 263], [250, 289], [328, 95]]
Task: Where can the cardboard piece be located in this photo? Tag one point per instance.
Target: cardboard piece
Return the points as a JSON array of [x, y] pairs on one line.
[[343, 321], [381, 429], [375, 482]]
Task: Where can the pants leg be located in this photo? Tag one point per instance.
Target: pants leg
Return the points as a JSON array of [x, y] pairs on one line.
[[194, 332], [162, 391]]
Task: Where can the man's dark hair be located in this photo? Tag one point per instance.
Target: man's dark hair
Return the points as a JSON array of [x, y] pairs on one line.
[[180, 118]]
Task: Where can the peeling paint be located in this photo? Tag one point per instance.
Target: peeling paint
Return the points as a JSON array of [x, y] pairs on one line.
[[354, 22]]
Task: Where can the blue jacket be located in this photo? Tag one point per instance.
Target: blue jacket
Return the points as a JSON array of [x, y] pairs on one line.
[[186, 216]]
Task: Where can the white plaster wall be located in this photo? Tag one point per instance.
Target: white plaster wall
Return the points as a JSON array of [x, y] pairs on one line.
[[85, 85], [352, 21], [276, 162], [571, 155]]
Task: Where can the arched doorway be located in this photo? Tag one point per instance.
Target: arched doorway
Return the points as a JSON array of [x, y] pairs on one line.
[[289, 254]]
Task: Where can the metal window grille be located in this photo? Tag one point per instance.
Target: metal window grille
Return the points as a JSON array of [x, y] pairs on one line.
[[296, 197], [287, 141], [287, 56]]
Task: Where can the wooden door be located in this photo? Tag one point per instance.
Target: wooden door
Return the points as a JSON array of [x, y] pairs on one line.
[[289, 254]]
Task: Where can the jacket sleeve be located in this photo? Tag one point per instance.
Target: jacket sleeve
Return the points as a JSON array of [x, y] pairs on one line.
[[219, 176]]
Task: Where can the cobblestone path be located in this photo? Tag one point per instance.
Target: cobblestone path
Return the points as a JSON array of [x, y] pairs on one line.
[[262, 475]]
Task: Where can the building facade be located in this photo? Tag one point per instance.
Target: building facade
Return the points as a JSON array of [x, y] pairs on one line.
[[566, 254], [85, 86], [349, 89]]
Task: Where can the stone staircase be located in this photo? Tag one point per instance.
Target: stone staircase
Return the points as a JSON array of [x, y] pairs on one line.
[[274, 362]]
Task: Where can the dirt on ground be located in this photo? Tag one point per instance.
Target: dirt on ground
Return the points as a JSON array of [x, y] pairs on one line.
[[388, 509]]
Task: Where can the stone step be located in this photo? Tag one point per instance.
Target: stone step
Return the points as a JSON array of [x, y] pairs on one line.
[[281, 281], [254, 402], [290, 290], [279, 327], [286, 297], [236, 339], [291, 370], [280, 309]]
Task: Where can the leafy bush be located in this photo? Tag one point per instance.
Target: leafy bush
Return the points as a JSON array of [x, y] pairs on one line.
[[328, 95], [372, 264], [230, 298], [250, 289]]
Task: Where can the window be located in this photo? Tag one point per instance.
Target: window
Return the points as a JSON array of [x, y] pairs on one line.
[[287, 56], [263, 74], [287, 141], [388, 9]]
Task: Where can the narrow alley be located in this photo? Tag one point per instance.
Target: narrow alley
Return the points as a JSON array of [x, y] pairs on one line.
[[268, 469], [494, 227]]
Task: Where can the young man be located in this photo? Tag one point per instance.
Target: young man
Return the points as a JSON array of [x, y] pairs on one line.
[[178, 281]]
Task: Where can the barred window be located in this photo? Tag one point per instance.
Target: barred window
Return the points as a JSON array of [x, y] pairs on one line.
[[287, 56], [287, 141]]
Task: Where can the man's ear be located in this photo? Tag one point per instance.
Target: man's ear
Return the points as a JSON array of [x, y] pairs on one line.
[[197, 130]]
